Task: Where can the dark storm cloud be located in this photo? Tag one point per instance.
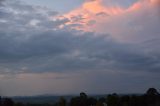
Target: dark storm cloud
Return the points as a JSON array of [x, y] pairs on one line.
[[30, 42]]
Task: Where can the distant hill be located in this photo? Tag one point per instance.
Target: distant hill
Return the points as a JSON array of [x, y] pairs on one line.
[[39, 99], [51, 99]]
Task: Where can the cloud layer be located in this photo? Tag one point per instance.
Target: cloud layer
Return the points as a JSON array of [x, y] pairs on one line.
[[82, 48]]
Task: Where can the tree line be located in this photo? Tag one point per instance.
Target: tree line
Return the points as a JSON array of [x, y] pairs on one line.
[[150, 98]]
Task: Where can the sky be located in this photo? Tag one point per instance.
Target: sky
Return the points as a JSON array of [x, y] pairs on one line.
[[66, 47]]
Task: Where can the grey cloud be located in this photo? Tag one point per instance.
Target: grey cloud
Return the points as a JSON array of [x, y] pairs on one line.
[[65, 52], [1, 1], [32, 43], [102, 14]]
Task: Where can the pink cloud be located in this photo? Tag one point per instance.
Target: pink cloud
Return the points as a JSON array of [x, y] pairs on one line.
[[124, 24]]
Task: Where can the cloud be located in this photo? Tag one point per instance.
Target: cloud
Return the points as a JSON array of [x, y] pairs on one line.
[[36, 41], [82, 48], [1, 2], [124, 24], [92, 10]]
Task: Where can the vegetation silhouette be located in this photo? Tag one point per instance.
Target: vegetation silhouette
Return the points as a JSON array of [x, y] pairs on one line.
[[150, 98]]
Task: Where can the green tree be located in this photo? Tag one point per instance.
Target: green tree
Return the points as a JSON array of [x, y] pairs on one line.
[[81, 100], [83, 95], [99, 103], [91, 101], [112, 100], [62, 101], [152, 91], [7, 102]]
